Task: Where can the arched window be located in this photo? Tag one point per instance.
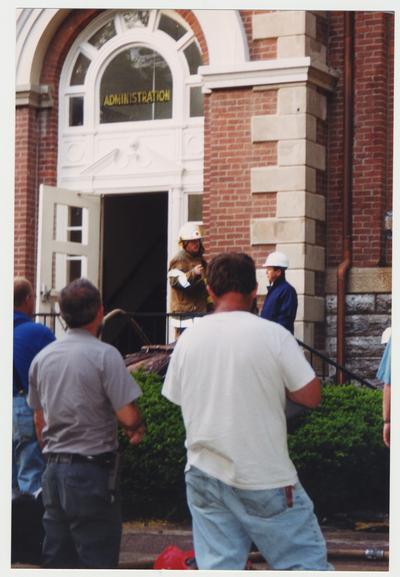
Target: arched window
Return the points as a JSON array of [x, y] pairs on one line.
[[136, 85]]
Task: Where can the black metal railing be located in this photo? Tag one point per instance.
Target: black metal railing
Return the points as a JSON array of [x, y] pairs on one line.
[[51, 320], [142, 325], [327, 369]]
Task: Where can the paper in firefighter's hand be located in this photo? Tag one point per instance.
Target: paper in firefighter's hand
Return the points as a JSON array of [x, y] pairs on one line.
[[176, 273]]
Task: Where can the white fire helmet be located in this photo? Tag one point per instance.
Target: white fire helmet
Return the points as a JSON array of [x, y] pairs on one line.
[[277, 259], [189, 231]]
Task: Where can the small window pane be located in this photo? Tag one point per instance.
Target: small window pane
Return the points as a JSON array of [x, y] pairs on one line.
[[74, 269], [75, 236], [75, 224], [76, 111], [79, 72], [171, 27], [196, 101], [136, 85], [103, 35], [193, 57], [75, 216], [195, 207], [136, 18]]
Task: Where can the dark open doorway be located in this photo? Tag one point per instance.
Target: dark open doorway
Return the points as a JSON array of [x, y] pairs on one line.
[[135, 232]]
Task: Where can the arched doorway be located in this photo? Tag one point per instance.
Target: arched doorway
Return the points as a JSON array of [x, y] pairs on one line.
[[130, 133]]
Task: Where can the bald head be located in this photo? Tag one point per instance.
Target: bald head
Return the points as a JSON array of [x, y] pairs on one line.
[[23, 295]]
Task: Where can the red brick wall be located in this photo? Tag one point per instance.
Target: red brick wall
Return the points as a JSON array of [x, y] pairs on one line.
[[26, 143], [228, 203], [372, 148], [335, 143], [387, 256]]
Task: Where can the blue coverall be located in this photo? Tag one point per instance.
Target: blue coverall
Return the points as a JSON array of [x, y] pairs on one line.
[[280, 304]]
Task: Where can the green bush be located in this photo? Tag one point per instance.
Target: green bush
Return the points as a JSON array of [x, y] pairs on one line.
[[337, 449], [152, 475], [339, 453]]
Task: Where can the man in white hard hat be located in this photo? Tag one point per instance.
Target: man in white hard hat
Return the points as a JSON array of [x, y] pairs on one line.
[[280, 304], [186, 273]]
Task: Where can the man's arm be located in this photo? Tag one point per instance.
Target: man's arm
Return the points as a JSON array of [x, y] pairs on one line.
[[309, 395], [288, 309], [386, 414], [131, 420], [39, 425]]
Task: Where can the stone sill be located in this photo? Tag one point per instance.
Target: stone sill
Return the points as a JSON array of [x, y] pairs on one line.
[[362, 280]]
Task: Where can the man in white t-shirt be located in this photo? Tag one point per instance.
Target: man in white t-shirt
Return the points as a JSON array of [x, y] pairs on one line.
[[231, 374]]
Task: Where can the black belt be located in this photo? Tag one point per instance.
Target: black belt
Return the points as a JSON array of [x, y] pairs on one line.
[[105, 460]]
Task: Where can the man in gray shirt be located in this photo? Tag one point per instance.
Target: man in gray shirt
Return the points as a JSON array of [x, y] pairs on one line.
[[80, 389]]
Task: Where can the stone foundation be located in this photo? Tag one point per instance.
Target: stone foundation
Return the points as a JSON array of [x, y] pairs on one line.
[[367, 316]]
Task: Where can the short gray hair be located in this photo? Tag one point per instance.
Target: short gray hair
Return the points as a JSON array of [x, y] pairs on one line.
[[79, 303]]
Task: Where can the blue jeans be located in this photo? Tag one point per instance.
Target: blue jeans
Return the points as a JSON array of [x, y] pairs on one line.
[[82, 523], [27, 460], [227, 520]]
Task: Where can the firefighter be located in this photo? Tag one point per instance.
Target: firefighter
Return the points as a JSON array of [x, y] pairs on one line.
[[280, 304], [186, 274]]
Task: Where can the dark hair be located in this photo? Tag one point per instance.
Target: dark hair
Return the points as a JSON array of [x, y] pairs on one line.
[[281, 269], [79, 302], [232, 272], [22, 289], [200, 252]]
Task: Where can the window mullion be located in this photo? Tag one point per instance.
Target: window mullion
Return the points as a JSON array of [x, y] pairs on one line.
[[153, 18], [88, 50], [185, 40], [119, 23]]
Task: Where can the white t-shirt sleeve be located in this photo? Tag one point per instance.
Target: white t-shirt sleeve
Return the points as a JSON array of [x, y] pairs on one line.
[[296, 370], [172, 387]]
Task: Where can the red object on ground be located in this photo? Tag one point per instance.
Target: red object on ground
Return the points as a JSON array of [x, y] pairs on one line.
[[174, 558]]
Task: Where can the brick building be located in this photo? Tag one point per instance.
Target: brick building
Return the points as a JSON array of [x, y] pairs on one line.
[[271, 128]]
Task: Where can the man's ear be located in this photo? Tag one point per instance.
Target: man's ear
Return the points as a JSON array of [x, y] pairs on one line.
[[100, 313], [212, 294]]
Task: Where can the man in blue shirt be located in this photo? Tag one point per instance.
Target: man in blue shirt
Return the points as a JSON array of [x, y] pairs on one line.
[[29, 338], [280, 304]]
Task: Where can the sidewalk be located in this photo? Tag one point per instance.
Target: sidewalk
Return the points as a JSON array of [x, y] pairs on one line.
[[347, 549]]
